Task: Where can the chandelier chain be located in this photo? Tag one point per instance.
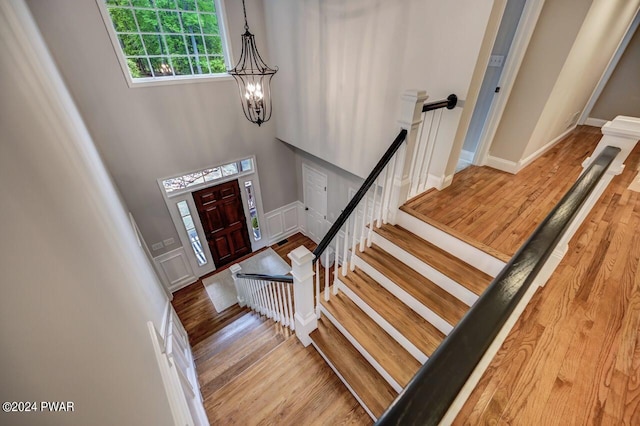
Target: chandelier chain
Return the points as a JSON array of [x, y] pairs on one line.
[[244, 9]]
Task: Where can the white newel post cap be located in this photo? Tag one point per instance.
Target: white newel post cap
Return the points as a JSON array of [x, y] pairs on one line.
[[411, 108], [300, 258], [235, 269], [622, 132]]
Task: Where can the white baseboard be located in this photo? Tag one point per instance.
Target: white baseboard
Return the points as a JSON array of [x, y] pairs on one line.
[[539, 152], [466, 156], [502, 164], [438, 182], [283, 222], [597, 122], [514, 167], [174, 269]]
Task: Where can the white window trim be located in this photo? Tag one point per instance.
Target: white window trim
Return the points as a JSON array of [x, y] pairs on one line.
[[173, 198], [156, 81]]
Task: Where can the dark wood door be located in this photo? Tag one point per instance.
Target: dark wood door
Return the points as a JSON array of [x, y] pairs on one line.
[[222, 216]]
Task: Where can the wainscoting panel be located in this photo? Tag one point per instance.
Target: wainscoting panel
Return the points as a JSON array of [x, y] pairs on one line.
[[283, 222], [174, 268]]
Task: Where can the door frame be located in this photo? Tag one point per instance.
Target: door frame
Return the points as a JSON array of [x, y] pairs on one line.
[[526, 27], [172, 199], [306, 168]]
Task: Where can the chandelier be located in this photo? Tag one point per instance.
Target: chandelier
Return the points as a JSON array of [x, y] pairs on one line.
[[253, 77]]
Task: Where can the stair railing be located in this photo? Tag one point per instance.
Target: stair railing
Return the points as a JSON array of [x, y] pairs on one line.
[[375, 203], [269, 295], [441, 386]]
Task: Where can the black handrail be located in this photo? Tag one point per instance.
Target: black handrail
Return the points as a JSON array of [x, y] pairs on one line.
[[266, 277], [449, 103], [433, 389], [351, 206]]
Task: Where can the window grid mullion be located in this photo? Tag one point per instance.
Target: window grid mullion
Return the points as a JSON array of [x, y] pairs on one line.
[[204, 42], [144, 46], [184, 37], [117, 6], [164, 41]]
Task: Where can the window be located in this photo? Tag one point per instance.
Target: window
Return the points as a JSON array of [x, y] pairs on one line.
[[168, 39], [189, 226], [253, 212], [207, 175]]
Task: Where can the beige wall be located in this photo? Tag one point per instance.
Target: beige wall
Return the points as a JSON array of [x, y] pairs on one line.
[[148, 133], [77, 289], [604, 27], [556, 30], [621, 94]]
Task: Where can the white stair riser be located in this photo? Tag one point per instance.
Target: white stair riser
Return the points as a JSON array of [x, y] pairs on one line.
[[375, 364], [391, 330], [426, 270], [405, 297], [343, 380], [460, 249]]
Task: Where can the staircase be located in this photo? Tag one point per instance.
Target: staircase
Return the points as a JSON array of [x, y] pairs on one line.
[[388, 314]]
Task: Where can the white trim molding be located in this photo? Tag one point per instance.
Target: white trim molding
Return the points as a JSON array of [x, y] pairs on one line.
[[283, 222], [596, 122], [175, 269], [502, 164]]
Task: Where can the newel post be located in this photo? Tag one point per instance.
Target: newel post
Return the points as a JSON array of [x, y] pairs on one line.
[[235, 270], [305, 316], [410, 119]]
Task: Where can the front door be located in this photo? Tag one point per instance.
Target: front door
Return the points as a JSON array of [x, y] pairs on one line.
[[222, 216]]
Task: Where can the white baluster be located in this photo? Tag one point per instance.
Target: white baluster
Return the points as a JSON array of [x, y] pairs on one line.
[[326, 275], [335, 265], [363, 225], [292, 323], [283, 305], [425, 147], [392, 171], [345, 252], [272, 301], [373, 212], [317, 269], [254, 296], [263, 295], [383, 196], [354, 215], [431, 143]]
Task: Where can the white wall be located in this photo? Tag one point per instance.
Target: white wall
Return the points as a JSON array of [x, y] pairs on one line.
[[604, 26], [76, 288], [344, 65], [621, 94], [147, 133], [556, 30]]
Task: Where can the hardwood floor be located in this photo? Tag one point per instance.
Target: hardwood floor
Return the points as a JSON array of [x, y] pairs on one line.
[[574, 355], [254, 371], [496, 211]]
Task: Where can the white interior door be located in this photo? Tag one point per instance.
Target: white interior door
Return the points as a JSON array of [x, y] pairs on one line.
[[315, 202]]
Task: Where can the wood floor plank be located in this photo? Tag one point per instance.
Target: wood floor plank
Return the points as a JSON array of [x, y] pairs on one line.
[[462, 273], [415, 328], [429, 294], [516, 202], [393, 358], [230, 347], [366, 382], [584, 365]]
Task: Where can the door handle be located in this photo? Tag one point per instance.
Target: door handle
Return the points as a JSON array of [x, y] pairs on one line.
[[306, 208]]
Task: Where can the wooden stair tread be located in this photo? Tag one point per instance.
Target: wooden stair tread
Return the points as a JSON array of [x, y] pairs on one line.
[[365, 381], [459, 235], [461, 272], [393, 358], [416, 329], [442, 303]]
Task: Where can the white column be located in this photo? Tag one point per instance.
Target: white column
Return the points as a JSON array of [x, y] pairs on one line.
[[235, 270], [410, 119], [302, 271]]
